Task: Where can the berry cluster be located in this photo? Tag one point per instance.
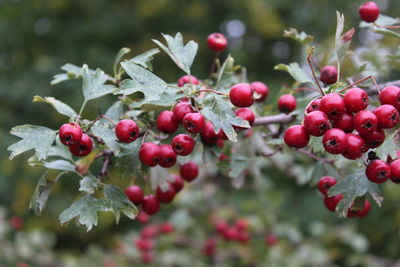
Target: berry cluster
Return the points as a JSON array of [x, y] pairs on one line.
[[79, 143], [238, 232], [379, 171]]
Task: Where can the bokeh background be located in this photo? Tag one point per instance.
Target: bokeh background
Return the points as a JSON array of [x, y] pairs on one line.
[[38, 37]]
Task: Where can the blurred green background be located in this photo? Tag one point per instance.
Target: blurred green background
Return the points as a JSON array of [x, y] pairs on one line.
[[38, 37]]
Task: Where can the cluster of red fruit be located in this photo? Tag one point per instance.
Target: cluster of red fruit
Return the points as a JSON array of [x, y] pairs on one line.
[[79, 143], [324, 184]]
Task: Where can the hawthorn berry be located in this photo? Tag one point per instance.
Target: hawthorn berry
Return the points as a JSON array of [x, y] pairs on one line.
[[221, 226], [143, 217], [181, 109], [241, 95], [177, 183], [70, 133], [355, 100], [230, 234], [387, 115], [395, 171], [390, 95], [243, 237], [325, 183], [149, 154], [374, 139], [242, 224], [355, 146], [335, 141], [149, 231], [187, 79], [271, 240], [217, 42], [183, 144], [189, 171], [331, 202], [166, 228], [150, 204], [210, 246], [144, 244], [329, 74], [208, 135], [147, 257], [83, 147], [313, 106], [135, 194], [296, 136], [364, 212], [166, 122], [378, 171], [261, 89], [365, 122], [194, 122], [127, 131], [333, 105], [369, 12], [344, 122], [316, 123], [287, 103], [246, 114], [222, 138], [167, 156], [166, 196]]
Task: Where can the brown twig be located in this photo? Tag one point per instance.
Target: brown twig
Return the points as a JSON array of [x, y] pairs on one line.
[[313, 156], [274, 119], [309, 59], [107, 154]]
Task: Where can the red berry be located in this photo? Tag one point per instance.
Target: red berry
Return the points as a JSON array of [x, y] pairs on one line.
[[242, 224], [390, 95], [16, 222], [332, 105], [378, 171], [335, 141], [194, 122], [365, 122], [395, 171], [70, 133], [144, 244], [143, 217], [166, 196], [325, 183], [166, 228], [316, 123], [210, 246], [83, 147], [355, 100], [222, 137], [221, 226], [146, 257], [150, 204], [331, 202], [314, 105], [364, 212], [246, 114], [355, 146], [149, 231], [127, 131], [135, 194], [177, 183], [329, 74], [208, 135], [167, 156], [271, 240], [261, 89], [181, 109], [287, 103], [243, 237], [241, 95], [166, 122], [374, 139], [344, 122], [149, 154], [369, 12], [231, 234], [183, 144], [189, 171], [296, 136], [216, 42], [187, 79], [387, 115]]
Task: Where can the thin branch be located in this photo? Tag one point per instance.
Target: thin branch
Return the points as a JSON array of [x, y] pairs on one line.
[[313, 156], [212, 91], [274, 119], [313, 72], [360, 81], [107, 154], [387, 27]]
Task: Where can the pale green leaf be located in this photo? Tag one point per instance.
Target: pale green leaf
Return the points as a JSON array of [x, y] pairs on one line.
[[295, 71], [61, 165], [61, 107], [301, 37], [342, 41], [120, 203], [145, 58], [94, 84], [388, 148], [118, 58], [115, 111], [89, 184]]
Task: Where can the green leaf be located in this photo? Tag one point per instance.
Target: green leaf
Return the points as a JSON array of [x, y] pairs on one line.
[[120, 203], [342, 41], [104, 132], [128, 163], [223, 117], [356, 184], [61, 107], [72, 72], [60, 151], [61, 165], [226, 74], [167, 99], [316, 145], [115, 111], [142, 81], [375, 193], [322, 169], [182, 55], [86, 209], [94, 84], [301, 37], [89, 184], [33, 137], [159, 178], [120, 55], [382, 20], [387, 32], [388, 148], [145, 58], [237, 165], [295, 71]]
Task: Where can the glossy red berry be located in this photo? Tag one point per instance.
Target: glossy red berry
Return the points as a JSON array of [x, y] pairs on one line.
[[208, 135], [344, 122], [335, 141], [261, 89], [355, 146], [143, 217], [149, 154], [378, 171], [183, 144], [166, 228], [333, 105], [127, 131], [365, 122], [217, 42], [241, 95], [390, 95], [70, 133], [246, 114], [316, 123], [187, 79], [83, 147], [329, 74], [150, 204], [189, 171], [167, 156], [231, 234], [374, 139], [194, 122], [177, 183], [166, 196], [364, 212], [387, 115], [332, 202], [166, 122], [135, 194], [369, 12], [181, 109], [325, 183], [287, 103], [314, 105], [296, 136], [395, 171], [355, 100]]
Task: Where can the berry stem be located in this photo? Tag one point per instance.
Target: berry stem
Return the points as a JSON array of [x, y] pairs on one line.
[[309, 60], [360, 81], [313, 156], [387, 27], [273, 119], [212, 91], [214, 64], [80, 111], [101, 116], [107, 154]]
